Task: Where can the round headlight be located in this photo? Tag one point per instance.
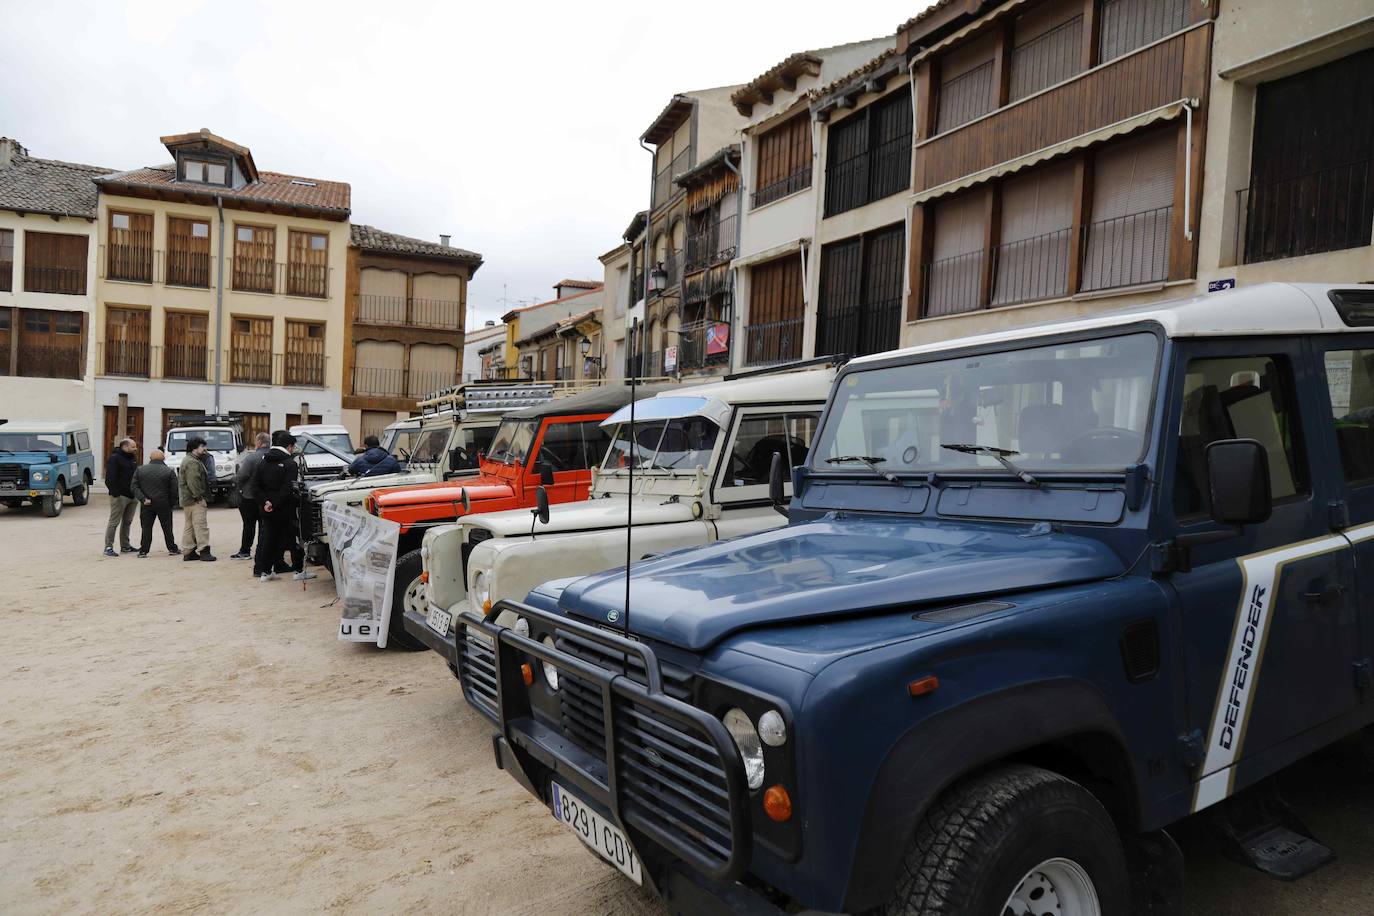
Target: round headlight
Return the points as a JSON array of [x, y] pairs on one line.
[[550, 672], [772, 729], [750, 747], [481, 591], [40, 475]]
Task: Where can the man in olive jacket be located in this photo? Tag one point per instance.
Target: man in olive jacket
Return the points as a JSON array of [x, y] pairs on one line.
[[194, 492], [155, 489]]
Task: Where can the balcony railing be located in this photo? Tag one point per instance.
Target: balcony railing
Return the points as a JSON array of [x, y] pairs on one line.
[[1030, 269], [769, 342], [262, 275], [703, 345], [119, 357], [1330, 210], [967, 96], [131, 260], [663, 181], [1128, 250], [563, 373], [400, 311], [306, 279], [713, 246], [146, 265], [953, 284], [798, 180], [255, 275], [191, 363], [250, 365], [188, 268], [391, 382], [62, 281], [1048, 58], [186, 362], [869, 327], [303, 370]]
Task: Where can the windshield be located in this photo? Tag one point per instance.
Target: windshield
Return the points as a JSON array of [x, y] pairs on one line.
[[513, 440], [1071, 406], [683, 443], [401, 437], [216, 440], [428, 447], [31, 442], [339, 440]]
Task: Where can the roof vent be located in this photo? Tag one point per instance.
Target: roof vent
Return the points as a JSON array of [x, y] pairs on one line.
[[305, 182], [443, 240]]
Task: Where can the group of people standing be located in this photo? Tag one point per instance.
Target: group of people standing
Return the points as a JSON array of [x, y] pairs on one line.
[[265, 481]]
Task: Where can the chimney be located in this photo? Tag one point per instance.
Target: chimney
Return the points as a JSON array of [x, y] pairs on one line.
[[10, 150], [443, 240], [490, 323]]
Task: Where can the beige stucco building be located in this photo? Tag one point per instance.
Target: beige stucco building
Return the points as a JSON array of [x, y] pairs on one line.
[[219, 287]]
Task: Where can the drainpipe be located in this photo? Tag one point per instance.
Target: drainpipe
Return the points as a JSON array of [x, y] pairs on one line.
[[739, 226], [219, 300]]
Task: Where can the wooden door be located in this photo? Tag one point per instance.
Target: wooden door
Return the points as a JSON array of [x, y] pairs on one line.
[[250, 350], [304, 353], [133, 427]]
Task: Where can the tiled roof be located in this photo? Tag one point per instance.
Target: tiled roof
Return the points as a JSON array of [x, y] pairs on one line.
[[924, 14], [580, 284], [853, 75], [328, 198], [370, 238], [775, 77], [49, 186], [573, 321], [715, 162]]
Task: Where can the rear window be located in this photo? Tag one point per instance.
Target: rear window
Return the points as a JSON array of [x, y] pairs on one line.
[[1355, 306]]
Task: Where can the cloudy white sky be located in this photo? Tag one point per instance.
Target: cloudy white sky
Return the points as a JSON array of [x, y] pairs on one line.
[[510, 125]]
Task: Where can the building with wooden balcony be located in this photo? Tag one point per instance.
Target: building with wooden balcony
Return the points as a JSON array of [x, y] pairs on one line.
[[555, 351], [47, 287], [406, 302], [526, 351], [219, 287], [1057, 165]]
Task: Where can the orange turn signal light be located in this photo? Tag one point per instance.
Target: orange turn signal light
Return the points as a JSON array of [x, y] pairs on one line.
[[777, 804], [424, 577], [924, 685], [527, 674], [486, 606]]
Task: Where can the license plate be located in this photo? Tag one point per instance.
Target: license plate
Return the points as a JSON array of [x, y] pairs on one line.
[[439, 620], [8, 486], [600, 834]]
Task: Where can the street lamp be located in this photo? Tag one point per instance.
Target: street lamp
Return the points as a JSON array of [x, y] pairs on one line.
[[658, 278], [585, 345]]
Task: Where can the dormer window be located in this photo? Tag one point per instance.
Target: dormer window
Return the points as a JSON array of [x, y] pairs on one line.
[[204, 171]]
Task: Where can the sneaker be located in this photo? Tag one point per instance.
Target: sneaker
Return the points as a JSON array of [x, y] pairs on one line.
[[174, 551], [191, 555], [303, 575], [268, 577], [207, 556], [240, 556], [143, 554], [128, 549], [109, 552]]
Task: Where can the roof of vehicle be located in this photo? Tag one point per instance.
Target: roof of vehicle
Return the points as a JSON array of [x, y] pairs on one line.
[[714, 400], [402, 424], [317, 428], [43, 426], [601, 399], [1265, 308]]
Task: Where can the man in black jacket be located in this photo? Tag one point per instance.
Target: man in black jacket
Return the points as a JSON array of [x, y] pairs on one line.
[[155, 489], [275, 480], [119, 478], [248, 495]]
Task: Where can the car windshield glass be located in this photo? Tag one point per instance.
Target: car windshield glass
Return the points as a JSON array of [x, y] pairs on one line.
[[402, 437], [513, 440], [216, 440], [1070, 406], [31, 442], [429, 447], [680, 444], [339, 440]]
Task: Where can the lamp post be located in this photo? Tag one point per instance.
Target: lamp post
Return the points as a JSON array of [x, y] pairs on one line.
[[658, 278], [585, 345]]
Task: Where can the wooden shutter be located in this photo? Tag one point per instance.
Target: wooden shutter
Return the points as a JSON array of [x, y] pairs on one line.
[[129, 247], [1133, 197], [51, 343], [1125, 25], [250, 350], [6, 260], [255, 255], [784, 160], [307, 264], [1049, 47], [304, 353], [188, 252], [1032, 259], [185, 342], [954, 274], [966, 87], [7, 332], [126, 341], [55, 262]]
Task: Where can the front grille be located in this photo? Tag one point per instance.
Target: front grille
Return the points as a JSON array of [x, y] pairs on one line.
[[312, 521], [477, 662], [16, 475]]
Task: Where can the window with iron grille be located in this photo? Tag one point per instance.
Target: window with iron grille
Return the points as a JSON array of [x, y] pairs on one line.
[[784, 161], [868, 154], [861, 293], [55, 262], [776, 312], [6, 260]]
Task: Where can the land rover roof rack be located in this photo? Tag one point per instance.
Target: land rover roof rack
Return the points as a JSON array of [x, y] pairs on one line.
[[191, 419], [838, 359], [488, 396]]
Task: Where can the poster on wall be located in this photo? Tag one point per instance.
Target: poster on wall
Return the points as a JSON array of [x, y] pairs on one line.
[[717, 338], [363, 548]]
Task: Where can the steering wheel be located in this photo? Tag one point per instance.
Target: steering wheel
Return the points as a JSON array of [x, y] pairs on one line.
[[405, 454], [1113, 442], [551, 460]]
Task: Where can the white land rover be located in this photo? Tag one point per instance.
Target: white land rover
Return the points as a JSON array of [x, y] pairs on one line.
[[702, 457], [454, 426]]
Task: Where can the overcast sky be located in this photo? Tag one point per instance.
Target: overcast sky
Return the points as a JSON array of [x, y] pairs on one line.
[[510, 125]]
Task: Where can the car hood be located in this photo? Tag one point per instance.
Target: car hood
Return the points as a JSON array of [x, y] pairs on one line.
[[588, 515], [449, 491], [39, 458], [365, 484], [829, 567]]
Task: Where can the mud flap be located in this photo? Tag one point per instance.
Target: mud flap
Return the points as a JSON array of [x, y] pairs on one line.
[[1259, 829], [1156, 865]]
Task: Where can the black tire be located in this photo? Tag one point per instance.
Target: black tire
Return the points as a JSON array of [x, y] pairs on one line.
[[52, 505], [82, 494], [983, 836], [408, 569]]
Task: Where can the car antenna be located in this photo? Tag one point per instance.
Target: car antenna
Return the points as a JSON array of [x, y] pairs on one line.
[[630, 501]]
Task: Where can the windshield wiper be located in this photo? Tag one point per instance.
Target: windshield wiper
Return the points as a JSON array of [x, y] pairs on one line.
[[869, 460], [1001, 455]]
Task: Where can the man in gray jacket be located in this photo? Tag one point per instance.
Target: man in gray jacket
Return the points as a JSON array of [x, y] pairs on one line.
[[155, 489], [248, 495]]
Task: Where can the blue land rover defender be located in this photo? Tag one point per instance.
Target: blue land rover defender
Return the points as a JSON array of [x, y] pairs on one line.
[[1041, 595], [43, 462]]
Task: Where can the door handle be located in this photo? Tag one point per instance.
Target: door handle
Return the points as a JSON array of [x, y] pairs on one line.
[[1324, 593]]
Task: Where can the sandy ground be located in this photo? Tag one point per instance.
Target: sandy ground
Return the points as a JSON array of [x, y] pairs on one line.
[[175, 737]]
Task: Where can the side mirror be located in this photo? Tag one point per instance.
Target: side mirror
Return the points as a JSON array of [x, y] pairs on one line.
[[545, 474], [541, 505], [1238, 479], [467, 503], [775, 494]]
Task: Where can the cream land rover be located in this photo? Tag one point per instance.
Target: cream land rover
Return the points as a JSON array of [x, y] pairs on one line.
[[701, 460]]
